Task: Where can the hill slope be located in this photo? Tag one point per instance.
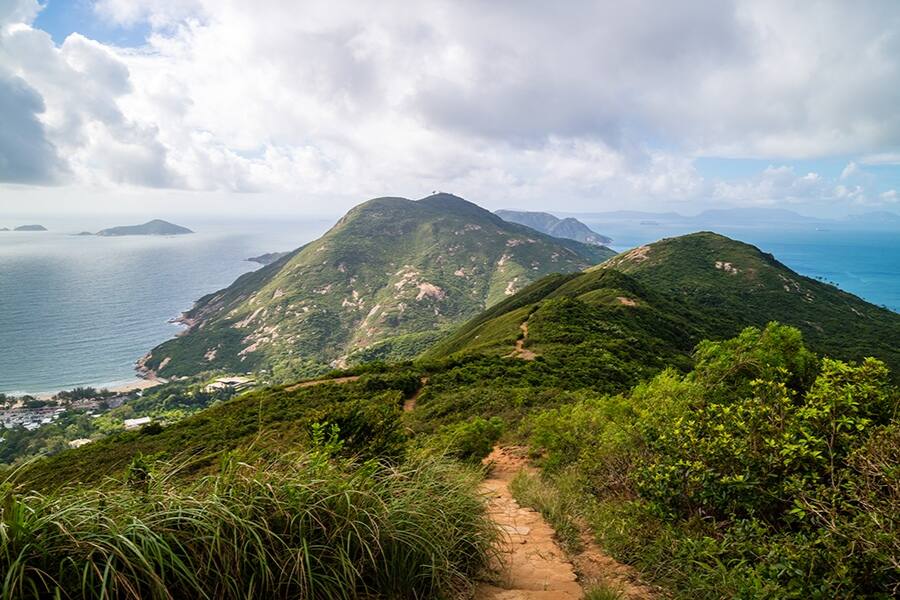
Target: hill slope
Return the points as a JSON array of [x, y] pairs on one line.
[[382, 283], [568, 228], [666, 296]]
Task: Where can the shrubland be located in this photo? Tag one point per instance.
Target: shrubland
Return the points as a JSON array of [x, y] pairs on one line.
[[763, 472]]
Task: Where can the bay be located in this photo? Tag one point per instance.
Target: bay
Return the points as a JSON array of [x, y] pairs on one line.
[[80, 310]]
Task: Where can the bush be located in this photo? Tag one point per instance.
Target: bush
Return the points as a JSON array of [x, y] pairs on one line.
[[302, 526], [469, 441], [764, 472]]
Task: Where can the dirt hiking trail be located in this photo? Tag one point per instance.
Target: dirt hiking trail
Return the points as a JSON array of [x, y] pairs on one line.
[[531, 565], [409, 404], [521, 351]]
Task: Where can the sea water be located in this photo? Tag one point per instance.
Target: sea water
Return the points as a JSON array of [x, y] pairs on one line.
[[80, 310]]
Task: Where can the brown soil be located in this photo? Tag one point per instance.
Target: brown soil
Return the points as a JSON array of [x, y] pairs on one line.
[[626, 301], [531, 564], [521, 351], [410, 404]]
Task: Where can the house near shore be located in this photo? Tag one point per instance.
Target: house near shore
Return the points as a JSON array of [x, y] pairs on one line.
[[236, 383], [135, 423]]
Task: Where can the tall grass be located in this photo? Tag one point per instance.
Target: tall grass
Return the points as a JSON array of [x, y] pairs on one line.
[[301, 526]]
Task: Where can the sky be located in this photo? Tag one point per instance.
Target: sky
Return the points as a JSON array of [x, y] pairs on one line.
[[286, 107]]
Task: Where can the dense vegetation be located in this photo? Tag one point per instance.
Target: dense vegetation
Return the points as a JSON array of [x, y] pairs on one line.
[[746, 465], [764, 472], [382, 283], [656, 302]]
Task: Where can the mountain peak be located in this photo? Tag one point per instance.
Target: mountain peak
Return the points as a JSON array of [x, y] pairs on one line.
[[389, 278]]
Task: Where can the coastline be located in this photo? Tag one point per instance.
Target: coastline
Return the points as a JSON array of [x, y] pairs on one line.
[[119, 388]]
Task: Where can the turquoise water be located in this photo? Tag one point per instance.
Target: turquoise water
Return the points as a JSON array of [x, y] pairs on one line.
[[863, 262], [80, 310]]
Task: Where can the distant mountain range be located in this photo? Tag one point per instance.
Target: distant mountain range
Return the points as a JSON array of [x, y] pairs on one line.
[[738, 217], [568, 228], [386, 281]]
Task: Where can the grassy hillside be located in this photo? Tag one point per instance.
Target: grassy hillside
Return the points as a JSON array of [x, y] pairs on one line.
[[748, 467], [663, 298], [382, 283]]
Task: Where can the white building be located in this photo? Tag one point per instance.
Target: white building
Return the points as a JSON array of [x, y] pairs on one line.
[[135, 423]]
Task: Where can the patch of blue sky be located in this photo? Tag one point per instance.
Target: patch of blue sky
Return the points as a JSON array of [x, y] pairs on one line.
[[60, 18], [743, 168]]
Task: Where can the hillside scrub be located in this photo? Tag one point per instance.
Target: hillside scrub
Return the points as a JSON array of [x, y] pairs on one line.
[[301, 526], [764, 472]]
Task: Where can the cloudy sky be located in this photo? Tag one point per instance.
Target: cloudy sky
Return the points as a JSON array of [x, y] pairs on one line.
[[286, 106]]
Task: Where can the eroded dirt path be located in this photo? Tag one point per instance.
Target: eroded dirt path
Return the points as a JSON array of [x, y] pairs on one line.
[[531, 564], [409, 404], [521, 351]]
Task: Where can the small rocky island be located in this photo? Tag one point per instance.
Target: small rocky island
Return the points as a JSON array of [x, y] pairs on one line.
[[30, 228], [154, 227]]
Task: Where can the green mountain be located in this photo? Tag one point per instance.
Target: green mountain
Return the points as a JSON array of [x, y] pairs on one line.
[[656, 302], [385, 282], [753, 468], [568, 228], [154, 227]]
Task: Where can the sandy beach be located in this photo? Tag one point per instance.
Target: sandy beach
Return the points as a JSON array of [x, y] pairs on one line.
[[137, 384]]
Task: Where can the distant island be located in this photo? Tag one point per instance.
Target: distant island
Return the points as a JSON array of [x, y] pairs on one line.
[[268, 258], [568, 228], [30, 228], [4, 228], [154, 227]]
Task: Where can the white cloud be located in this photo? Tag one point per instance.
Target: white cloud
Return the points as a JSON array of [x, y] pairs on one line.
[[883, 158], [589, 103], [851, 170]]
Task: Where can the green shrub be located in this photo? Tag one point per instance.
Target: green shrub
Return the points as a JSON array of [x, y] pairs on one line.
[[764, 472], [469, 441]]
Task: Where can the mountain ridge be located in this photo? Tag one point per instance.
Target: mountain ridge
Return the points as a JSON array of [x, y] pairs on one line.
[[568, 227], [674, 292], [384, 282]]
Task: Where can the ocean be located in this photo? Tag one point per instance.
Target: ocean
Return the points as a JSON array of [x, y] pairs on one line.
[[78, 311]]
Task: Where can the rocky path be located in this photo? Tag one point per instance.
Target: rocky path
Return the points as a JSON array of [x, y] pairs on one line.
[[531, 564]]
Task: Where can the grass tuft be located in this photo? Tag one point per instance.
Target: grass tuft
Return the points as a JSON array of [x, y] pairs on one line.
[[301, 526]]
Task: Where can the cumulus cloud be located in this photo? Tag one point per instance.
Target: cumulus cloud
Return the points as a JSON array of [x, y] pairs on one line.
[[590, 102], [25, 154]]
